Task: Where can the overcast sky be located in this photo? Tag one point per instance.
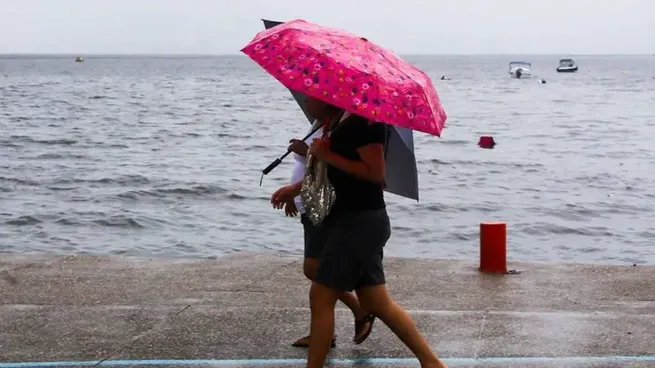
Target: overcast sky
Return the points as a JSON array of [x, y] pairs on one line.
[[406, 26]]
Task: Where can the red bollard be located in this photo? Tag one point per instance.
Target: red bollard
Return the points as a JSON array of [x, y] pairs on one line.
[[493, 247]]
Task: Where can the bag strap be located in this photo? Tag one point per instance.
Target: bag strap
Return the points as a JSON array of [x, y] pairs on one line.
[[333, 124]]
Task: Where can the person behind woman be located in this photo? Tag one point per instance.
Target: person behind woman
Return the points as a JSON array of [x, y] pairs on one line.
[[356, 230], [314, 240]]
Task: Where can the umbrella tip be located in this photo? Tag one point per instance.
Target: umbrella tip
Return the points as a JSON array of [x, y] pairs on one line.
[[487, 142], [364, 39]]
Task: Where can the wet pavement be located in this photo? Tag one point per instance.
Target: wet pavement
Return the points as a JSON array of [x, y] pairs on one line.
[[245, 310]]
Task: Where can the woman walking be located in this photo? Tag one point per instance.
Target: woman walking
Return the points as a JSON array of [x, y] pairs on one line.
[[355, 232], [314, 241]]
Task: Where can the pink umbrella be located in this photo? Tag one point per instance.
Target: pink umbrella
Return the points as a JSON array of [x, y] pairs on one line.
[[349, 72]]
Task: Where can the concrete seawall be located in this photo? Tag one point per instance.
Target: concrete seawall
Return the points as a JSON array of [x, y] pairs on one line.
[[246, 310]]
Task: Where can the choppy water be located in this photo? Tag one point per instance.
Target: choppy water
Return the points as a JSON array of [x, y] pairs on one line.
[[162, 156]]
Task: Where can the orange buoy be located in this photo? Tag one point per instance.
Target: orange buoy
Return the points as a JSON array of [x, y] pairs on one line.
[[487, 142], [493, 247]]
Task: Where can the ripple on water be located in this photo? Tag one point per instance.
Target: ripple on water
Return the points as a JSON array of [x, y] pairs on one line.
[[164, 157]]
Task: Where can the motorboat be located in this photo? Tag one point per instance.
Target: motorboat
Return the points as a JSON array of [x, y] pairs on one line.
[[520, 69], [79, 59], [567, 65]]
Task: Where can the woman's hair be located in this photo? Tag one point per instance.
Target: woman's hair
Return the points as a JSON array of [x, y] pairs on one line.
[[336, 115], [333, 110]]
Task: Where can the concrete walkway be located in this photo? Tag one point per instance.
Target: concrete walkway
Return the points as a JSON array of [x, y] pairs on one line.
[[246, 310]]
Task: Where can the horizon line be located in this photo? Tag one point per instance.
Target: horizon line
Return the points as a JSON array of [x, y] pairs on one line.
[[91, 54]]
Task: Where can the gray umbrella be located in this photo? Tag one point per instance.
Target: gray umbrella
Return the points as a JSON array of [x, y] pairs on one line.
[[401, 174]]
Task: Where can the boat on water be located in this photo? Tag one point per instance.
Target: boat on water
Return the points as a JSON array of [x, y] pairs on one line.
[[79, 59], [567, 65], [520, 69]]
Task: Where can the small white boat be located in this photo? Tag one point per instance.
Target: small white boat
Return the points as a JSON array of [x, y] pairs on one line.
[[520, 69], [567, 65]]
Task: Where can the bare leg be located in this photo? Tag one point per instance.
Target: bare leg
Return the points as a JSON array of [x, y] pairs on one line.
[[322, 300], [310, 267], [379, 302]]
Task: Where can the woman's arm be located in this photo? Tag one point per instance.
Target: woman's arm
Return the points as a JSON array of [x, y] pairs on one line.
[[285, 194], [369, 139], [371, 167]]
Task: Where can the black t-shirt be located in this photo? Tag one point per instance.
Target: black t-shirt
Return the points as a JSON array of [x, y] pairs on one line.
[[352, 193]]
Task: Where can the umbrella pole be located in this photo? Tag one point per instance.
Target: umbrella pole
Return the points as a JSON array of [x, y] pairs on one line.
[[278, 160]]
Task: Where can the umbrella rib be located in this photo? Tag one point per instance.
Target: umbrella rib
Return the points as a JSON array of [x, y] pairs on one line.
[[427, 79]]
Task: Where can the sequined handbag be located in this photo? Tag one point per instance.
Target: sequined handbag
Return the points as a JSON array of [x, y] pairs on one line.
[[317, 193]]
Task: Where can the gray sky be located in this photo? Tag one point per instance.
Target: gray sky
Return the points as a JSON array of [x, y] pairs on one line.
[[406, 26]]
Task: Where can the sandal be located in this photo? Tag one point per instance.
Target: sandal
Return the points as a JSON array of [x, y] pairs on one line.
[[304, 342], [359, 325]]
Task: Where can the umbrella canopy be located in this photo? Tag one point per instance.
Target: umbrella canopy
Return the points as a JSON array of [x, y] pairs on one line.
[[349, 72], [401, 175]]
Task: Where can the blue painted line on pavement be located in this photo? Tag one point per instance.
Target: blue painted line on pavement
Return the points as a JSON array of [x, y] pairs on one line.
[[363, 361]]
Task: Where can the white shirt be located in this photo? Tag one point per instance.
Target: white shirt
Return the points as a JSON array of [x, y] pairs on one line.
[[299, 166], [300, 162]]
